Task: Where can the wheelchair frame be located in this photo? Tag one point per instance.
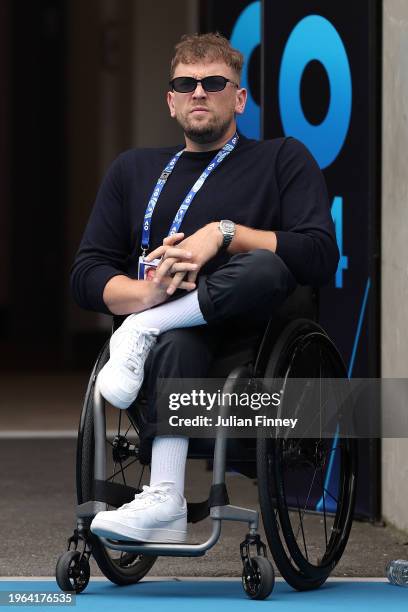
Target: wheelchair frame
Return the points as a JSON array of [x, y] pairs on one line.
[[258, 576], [218, 493]]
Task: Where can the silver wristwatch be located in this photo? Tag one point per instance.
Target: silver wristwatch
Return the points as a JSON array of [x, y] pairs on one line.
[[227, 229]]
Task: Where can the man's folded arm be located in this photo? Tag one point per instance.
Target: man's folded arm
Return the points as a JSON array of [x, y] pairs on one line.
[[247, 239], [306, 240]]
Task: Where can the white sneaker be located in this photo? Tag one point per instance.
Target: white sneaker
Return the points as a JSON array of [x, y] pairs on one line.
[[158, 514], [122, 376]]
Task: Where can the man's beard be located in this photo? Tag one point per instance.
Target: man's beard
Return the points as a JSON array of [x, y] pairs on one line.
[[211, 131]]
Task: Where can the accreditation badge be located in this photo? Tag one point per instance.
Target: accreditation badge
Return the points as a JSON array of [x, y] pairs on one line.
[[146, 269]]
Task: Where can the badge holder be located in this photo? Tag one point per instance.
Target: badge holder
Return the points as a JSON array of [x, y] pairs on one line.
[[146, 269]]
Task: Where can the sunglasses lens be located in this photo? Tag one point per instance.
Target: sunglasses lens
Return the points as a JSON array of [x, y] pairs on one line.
[[184, 84], [214, 83], [188, 84]]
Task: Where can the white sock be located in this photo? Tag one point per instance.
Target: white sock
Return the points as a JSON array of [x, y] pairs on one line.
[[169, 456], [184, 312]]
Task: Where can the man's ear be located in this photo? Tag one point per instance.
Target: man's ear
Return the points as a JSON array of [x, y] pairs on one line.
[[241, 98], [170, 102]]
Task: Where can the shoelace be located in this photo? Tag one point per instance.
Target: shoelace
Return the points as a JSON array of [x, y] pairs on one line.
[[134, 350], [148, 494]]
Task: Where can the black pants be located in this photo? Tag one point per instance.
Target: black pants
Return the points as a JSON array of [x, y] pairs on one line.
[[237, 299]]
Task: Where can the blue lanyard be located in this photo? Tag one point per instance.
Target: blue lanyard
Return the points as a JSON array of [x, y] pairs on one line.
[[216, 161]]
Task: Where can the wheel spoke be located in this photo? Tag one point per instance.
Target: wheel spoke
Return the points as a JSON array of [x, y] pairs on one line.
[[119, 471], [324, 509], [123, 474], [332, 496], [301, 524], [286, 506], [313, 420], [310, 490], [301, 511], [301, 441], [115, 462]]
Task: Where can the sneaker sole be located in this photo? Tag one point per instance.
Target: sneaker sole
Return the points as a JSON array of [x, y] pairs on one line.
[[115, 531]]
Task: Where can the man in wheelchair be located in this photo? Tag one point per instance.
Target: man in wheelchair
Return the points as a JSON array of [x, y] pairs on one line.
[[196, 245]]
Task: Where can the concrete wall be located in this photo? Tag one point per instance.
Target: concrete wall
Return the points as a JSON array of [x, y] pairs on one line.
[[155, 34], [118, 64], [100, 73], [395, 244]]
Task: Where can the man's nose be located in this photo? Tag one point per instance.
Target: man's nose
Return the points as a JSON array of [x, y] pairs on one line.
[[199, 91]]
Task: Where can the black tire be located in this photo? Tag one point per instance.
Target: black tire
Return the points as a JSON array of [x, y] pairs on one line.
[[258, 578], [72, 572], [127, 568], [278, 459]]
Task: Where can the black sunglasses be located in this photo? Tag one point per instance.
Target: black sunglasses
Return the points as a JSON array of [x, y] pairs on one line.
[[209, 83]]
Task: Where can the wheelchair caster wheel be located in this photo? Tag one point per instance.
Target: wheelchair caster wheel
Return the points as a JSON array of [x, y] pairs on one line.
[[72, 572], [258, 578]]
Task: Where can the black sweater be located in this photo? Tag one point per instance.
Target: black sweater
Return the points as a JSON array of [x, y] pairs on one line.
[[269, 185]]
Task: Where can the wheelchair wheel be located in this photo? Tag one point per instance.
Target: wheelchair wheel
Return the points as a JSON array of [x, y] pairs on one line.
[[306, 486], [258, 578], [124, 470], [72, 572]]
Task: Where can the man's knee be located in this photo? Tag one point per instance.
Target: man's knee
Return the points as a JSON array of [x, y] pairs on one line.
[[255, 281], [262, 266]]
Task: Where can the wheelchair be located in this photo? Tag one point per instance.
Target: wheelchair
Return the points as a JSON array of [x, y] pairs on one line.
[[306, 537]]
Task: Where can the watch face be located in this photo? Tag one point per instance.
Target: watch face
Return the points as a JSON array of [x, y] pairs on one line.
[[227, 226]]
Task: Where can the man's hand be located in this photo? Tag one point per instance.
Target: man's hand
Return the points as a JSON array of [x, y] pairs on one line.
[[187, 257], [123, 295], [156, 292]]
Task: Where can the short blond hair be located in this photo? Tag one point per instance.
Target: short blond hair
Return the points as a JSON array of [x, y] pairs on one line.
[[210, 47]]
